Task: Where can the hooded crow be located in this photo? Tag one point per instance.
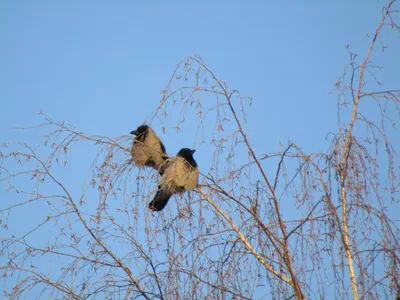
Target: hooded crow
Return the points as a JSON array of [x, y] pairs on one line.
[[180, 174], [147, 148]]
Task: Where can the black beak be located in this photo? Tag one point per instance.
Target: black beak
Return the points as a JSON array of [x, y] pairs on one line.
[[134, 132], [193, 151]]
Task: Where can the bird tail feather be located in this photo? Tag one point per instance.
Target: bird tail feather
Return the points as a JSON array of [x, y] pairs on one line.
[[161, 199]]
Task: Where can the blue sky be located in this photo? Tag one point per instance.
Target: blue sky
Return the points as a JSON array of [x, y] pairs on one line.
[[101, 65], [92, 63]]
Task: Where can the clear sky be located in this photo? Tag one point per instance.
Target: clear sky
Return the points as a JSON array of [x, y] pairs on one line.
[[93, 63], [100, 65]]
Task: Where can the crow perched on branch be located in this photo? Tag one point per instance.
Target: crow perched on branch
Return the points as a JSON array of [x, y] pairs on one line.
[[180, 174], [147, 148]]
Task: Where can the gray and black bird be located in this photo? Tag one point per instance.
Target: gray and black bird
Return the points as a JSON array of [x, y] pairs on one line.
[[180, 174], [147, 148]]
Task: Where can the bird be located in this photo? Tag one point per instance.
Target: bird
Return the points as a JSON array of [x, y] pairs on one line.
[[147, 148], [180, 174]]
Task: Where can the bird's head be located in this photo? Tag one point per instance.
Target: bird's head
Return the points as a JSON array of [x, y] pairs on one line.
[[186, 153], [140, 130]]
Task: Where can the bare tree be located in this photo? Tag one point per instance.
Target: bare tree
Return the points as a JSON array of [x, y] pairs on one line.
[[285, 224]]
